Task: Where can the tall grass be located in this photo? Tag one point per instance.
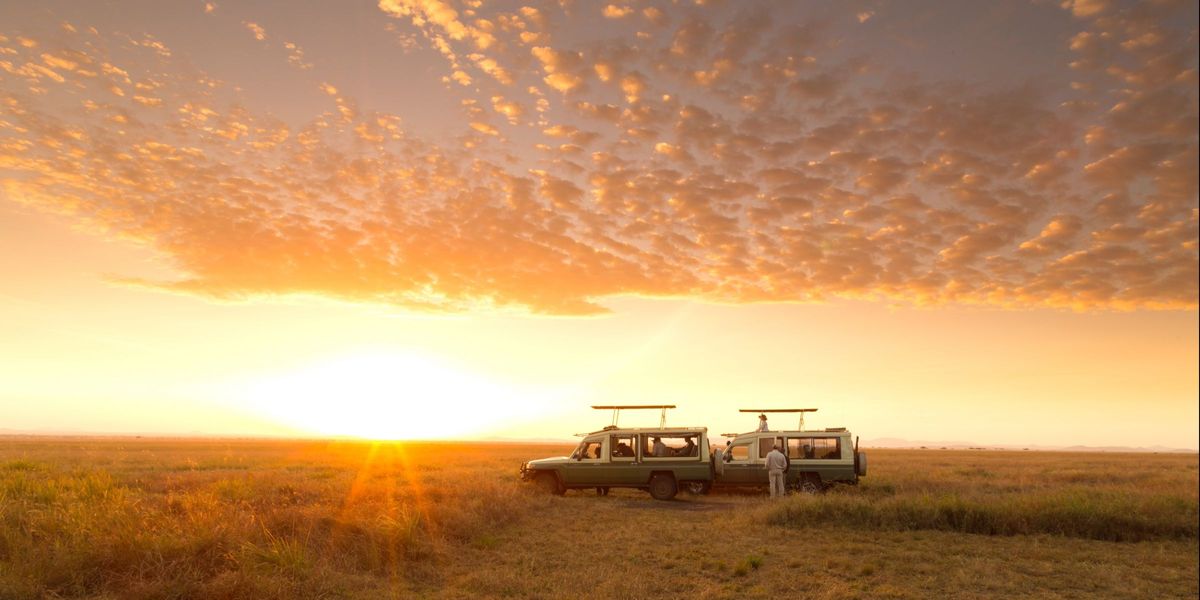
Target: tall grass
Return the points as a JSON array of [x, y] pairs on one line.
[[1111, 516], [271, 531], [294, 519], [1113, 497]]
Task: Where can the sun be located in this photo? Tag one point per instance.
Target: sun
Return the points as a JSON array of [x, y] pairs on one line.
[[384, 395]]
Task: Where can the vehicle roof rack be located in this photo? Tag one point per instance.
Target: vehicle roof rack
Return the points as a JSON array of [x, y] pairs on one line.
[[781, 410], [617, 408]]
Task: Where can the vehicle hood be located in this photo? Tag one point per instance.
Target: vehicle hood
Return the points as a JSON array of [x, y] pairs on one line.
[[548, 462]]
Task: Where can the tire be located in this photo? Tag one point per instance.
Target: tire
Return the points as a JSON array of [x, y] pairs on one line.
[[809, 486], [697, 488], [719, 462], [662, 487], [548, 483], [860, 464]]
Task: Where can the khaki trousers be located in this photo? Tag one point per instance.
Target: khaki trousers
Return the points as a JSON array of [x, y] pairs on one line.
[[778, 479]]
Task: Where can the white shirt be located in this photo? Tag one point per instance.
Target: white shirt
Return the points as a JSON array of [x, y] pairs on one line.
[[660, 449], [776, 461], [762, 425]]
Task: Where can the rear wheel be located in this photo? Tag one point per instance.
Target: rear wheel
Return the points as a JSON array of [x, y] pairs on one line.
[[809, 486], [548, 483], [662, 487]]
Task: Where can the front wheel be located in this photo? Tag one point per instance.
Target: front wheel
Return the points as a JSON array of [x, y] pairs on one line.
[[662, 487], [548, 483]]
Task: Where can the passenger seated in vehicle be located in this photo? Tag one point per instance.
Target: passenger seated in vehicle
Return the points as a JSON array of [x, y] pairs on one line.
[[762, 423], [808, 451], [660, 449], [597, 451], [689, 449], [623, 449]]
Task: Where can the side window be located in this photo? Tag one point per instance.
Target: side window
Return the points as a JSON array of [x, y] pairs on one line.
[[670, 445], [815, 448], [622, 447], [827, 448], [801, 448], [765, 445], [740, 452], [795, 448]]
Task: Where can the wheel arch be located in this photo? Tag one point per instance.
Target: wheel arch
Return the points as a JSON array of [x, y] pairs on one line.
[[656, 472]]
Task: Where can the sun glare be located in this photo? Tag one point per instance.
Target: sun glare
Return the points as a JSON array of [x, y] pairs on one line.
[[385, 396]]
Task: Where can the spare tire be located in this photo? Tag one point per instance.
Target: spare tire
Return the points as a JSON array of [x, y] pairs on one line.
[[860, 464], [719, 462]]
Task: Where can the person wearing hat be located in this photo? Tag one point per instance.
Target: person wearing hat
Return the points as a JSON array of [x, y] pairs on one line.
[[777, 465], [762, 423]]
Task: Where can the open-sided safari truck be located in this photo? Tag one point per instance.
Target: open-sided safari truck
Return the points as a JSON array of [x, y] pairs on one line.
[[816, 459], [661, 460]]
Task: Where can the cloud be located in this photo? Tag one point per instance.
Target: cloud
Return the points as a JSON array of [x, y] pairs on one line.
[[725, 157], [613, 11], [259, 33]]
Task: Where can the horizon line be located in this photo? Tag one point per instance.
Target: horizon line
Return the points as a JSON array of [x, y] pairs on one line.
[[911, 445]]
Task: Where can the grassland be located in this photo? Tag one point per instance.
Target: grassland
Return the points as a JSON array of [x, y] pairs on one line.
[[153, 518]]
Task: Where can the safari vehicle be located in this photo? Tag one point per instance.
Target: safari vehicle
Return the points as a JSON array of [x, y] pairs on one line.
[[817, 459], [660, 459]]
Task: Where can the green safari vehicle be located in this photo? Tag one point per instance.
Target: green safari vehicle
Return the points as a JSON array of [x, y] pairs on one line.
[[817, 459], [661, 460]]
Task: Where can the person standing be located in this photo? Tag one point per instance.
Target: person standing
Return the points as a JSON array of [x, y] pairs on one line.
[[777, 464]]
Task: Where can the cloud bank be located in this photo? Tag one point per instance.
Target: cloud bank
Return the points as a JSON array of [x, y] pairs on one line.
[[724, 154]]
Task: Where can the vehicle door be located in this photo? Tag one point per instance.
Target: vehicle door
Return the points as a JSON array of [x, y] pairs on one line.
[[587, 462], [623, 466], [743, 466]]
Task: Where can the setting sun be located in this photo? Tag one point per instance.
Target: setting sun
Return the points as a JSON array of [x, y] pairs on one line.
[[387, 396]]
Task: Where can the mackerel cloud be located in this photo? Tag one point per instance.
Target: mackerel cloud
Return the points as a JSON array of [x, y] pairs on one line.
[[714, 153]]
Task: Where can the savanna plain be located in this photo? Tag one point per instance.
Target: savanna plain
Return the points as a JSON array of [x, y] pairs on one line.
[[205, 518]]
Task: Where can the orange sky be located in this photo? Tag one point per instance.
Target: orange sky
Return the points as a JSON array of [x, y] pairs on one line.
[[425, 218]]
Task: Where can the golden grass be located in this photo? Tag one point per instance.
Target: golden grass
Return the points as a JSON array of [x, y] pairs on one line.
[[152, 518], [1116, 497]]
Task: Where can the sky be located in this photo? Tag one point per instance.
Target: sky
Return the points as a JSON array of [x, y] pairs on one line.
[[432, 219]]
